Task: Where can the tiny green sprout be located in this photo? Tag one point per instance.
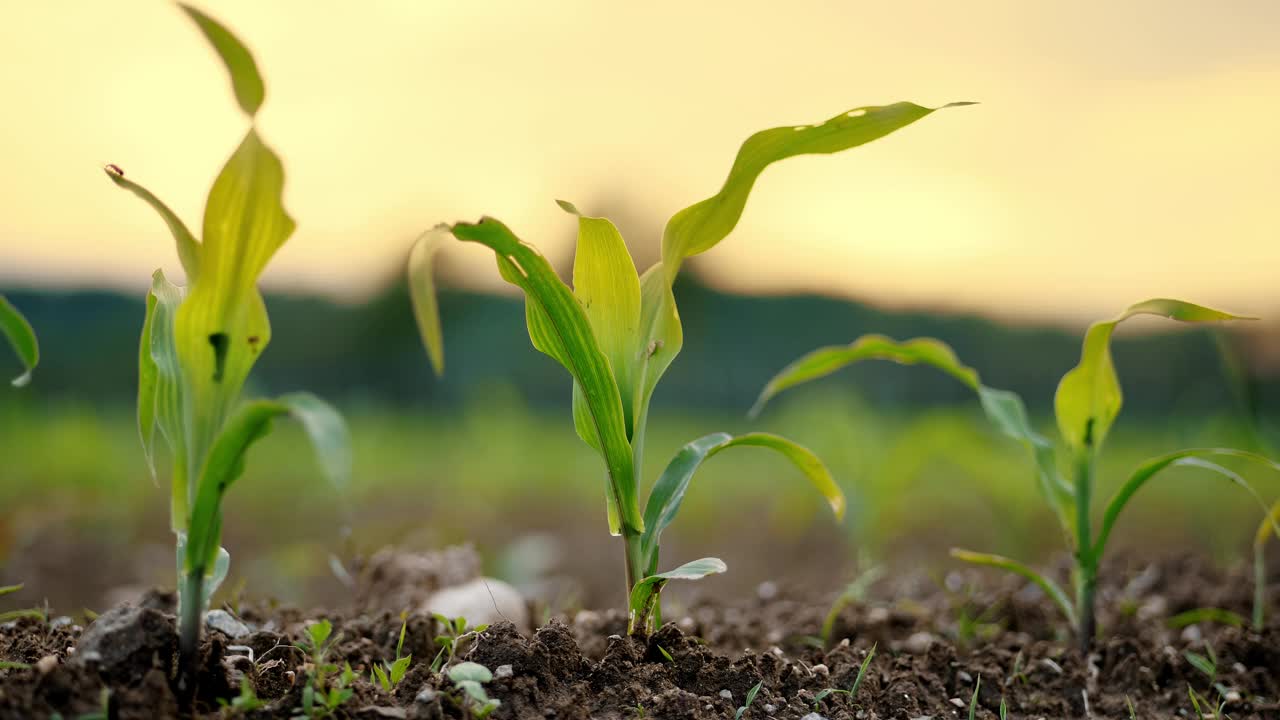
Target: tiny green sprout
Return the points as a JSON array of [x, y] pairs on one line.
[[1265, 530], [665, 654], [320, 696], [389, 674], [973, 701], [617, 331], [470, 678], [246, 701], [855, 591], [1004, 709], [199, 343], [1086, 404], [852, 692], [751, 698], [1128, 704], [1207, 663], [455, 634], [21, 337], [33, 613]]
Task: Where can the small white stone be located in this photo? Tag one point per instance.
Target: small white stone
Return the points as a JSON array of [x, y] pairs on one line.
[[726, 694], [427, 695], [483, 601], [877, 616], [813, 716], [46, 664], [227, 624], [957, 702], [767, 590], [965, 677], [770, 708], [918, 643], [503, 671], [1192, 635], [821, 670]]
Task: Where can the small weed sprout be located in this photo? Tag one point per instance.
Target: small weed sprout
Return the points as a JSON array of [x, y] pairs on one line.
[[470, 678], [852, 692], [8, 615], [320, 697], [199, 344], [617, 331], [854, 592], [246, 701], [751, 698], [1265, 529], [389, 674], [1086, 404], [973, 701], [452, 639], [21, 337]]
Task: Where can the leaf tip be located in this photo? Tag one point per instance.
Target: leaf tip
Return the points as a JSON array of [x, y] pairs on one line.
[[960, 103], [569, 207]]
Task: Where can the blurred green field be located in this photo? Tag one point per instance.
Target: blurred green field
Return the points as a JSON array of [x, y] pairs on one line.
[[81, 517]]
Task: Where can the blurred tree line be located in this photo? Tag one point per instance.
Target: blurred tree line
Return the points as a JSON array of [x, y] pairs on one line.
[[371, 353]]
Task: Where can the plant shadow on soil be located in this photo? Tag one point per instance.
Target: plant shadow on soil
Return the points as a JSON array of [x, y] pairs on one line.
[[933, 643]]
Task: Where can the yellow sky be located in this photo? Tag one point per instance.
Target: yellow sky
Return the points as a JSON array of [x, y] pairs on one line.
[[1122, 149]]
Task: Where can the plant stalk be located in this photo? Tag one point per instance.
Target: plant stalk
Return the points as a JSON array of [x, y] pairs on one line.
[[1259, 587], [190, 609], [634, 558], [1086, 557]]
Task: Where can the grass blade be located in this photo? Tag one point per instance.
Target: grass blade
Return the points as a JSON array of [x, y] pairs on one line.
[[245, 79], [188, 247], [1189, 457], [1051, 588], [422, 292], [1209, 614], [1088, 397], [22, 338], [668, 492]]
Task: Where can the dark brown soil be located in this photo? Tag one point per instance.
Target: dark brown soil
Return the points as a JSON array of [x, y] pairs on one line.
[[934, 639]]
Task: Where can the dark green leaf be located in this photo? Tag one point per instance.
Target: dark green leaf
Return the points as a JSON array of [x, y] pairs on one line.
[[1051, 588], [21, 338]]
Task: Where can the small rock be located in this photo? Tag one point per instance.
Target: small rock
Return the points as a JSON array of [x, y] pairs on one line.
[[227, 624], [726, 694], [770, 708], [46, 664], [918, 643], [877, 616], [965, 677], [821, 670], [813, 716], [503, 671], [483, 601], [1192, 635], [424, 696], [126, 638], [61, 621], [957, 702], [1232, 696], [767, 590], [1155, 606]]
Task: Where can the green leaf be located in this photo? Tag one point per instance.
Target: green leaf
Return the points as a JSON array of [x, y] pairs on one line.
[[162, 393], [1003, 408], [10, 589], [1088, 397], [470, 671], [1268, 526], [1050, 588], [1190, 457], [21, 338], [188, 247], [422, 292], [1208, 614], [668, 492], [559, 327], [751, 698], [245, 79], [226, 459], [701, 226], [605, 282], [222, 325], [645, 594]]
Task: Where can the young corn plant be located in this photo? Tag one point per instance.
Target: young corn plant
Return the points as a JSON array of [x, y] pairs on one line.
[[16, 329], [198, 344], [1265, 530], [617, 331], [1087, 402]]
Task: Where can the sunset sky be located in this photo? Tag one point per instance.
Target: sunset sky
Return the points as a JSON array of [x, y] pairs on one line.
[[1120, 150]]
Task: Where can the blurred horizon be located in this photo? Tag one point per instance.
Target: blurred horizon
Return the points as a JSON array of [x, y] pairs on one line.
[[1119, 153]]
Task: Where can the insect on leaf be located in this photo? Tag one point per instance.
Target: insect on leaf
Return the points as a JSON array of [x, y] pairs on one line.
[[245, 79], [1088, 397], [14, 326]]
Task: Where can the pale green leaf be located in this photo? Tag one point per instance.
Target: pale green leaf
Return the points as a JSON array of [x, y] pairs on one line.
[[422, 292], [188, 247], [1088, 397], [1192, 457], [225, 462], [645, 594], [470, 671], [700, 227], [1051, 588], [1268, 526], [558, 326], [245, 80], [668, 493], [21, 338], [160, 379]]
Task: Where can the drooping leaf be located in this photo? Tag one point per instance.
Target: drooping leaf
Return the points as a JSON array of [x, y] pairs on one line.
[[21, 338], [645, 593], [701, 226], [1088, 397], [422, 292], [225, 462], [1003, 408], [245, 80], [668, 492], [222, 325], [1050, 588], [605, 282], [1192, 457], [188, 247], [1270, 525], [559, 327], [161, 387]]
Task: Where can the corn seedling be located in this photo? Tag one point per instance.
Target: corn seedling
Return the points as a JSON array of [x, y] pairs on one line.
[[199, 343], [1087, 402], [451, 640], [470, 678], [1265, 530], [389, 674], [617, 332], [852, 692], [15, 328], [751, 698]]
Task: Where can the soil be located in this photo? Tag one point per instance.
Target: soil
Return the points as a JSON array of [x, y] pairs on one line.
[[933, 638]]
